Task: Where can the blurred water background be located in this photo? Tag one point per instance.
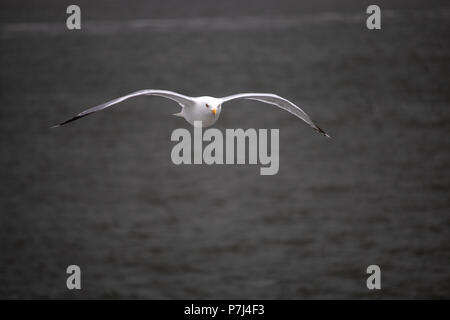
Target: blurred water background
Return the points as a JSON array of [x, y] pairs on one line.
[[103, 193]]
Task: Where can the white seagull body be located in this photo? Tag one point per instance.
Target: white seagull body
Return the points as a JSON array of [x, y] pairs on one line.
[[205, 109]]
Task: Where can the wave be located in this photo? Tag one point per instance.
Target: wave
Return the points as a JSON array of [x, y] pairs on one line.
[[106, 27]]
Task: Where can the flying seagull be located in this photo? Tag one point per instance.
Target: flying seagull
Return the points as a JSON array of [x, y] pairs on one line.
[[205, 109]]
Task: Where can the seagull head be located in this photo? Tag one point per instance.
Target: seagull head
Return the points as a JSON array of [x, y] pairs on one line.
[[208, 110], [214, 109]]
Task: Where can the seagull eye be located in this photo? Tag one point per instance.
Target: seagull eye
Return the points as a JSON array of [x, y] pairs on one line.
[[207, 105]]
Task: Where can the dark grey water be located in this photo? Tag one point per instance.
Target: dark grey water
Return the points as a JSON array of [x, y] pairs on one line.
[[104, 194]]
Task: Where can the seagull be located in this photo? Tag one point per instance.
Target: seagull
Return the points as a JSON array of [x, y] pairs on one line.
[[204, 111]]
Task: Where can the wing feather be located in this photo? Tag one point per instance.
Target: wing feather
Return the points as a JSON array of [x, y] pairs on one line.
[[279, 102], [181, 99]]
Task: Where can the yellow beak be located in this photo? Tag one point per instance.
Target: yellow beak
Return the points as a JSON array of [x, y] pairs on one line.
[[214, 111]]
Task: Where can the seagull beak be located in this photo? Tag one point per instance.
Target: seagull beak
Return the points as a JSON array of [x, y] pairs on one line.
[[214, 111]]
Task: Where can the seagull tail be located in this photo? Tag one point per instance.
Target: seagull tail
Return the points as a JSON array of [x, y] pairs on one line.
[[179, 114]]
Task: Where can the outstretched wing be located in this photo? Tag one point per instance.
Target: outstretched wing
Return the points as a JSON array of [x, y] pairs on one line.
[[181, 99], [279, 102]]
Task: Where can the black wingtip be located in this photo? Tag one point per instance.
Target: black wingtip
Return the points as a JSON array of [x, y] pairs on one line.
[[320, 130], [70, 120]]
